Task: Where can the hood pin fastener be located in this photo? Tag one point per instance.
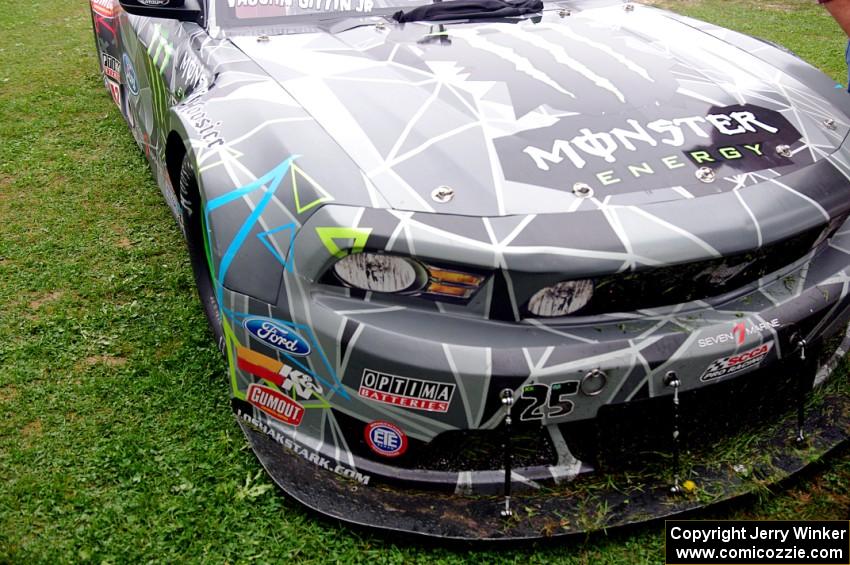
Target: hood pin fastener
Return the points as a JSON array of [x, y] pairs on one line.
[[706, 174], [507, 398], [783, 150], [380, 26], [629, 7], [563, 13], [671, 380], [443, 194], [262, 39], [582, 190], [802, 392], [829, 123]]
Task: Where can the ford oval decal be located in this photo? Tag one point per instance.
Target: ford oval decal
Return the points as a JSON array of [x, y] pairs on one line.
[[130, 75], [277, 336]]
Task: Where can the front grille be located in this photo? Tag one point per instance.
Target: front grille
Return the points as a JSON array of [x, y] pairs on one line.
[[639, 433], [477, 450], [677, 284]]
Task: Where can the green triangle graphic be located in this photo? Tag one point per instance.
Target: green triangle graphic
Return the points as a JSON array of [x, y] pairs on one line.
[[359, 235]]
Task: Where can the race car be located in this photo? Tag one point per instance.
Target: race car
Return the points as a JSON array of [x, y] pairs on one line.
[[466, 258]]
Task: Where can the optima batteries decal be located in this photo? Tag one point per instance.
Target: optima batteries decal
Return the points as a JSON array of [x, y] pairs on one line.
[[406, 392]]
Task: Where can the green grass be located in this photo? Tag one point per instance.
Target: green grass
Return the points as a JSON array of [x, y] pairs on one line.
[[116, 442]]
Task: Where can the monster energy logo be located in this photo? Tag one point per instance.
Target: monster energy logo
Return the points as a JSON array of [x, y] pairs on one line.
[[159, 49], [606, 144]]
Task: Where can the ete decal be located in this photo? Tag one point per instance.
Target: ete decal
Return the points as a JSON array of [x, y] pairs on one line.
[[291, 381], [614, 149], [111, 66], [307, 454], [736, 363], [275, 404], [739, 333], [385, 439], [406, 392], [277, 336]]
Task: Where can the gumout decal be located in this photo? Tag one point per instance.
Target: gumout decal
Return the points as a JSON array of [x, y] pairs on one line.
[[277, 405]]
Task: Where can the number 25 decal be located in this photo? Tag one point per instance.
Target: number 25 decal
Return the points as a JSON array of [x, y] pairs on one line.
[[540, 401]]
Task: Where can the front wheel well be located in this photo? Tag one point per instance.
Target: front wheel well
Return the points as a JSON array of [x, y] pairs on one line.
[[175, 151]]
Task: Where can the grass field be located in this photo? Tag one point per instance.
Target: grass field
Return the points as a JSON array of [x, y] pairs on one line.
[[116, 441]]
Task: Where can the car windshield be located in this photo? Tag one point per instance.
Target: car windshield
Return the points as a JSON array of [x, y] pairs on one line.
[[269, 12]]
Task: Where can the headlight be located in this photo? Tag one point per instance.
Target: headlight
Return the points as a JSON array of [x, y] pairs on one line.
[[561, 299], [379, 273]]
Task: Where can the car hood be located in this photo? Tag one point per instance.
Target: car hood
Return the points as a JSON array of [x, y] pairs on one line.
[[566, 112]]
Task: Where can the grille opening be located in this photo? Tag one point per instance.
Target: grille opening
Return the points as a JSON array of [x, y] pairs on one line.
[[686, 282], [480, 450], [639, 434]]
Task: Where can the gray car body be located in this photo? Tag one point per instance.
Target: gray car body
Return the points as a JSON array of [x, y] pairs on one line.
[[318, 140]]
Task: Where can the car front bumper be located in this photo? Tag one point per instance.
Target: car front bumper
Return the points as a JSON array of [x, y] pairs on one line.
[[791, 323]]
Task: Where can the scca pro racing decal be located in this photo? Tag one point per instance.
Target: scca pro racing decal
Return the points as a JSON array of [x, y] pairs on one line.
[[277, 336], [406, 392], [736, 363], [275, 404], [385, 439]]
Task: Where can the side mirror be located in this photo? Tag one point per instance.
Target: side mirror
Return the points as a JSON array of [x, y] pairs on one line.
[[181, 10]]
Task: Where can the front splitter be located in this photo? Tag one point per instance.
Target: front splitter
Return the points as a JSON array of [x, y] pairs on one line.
[[597, 501]]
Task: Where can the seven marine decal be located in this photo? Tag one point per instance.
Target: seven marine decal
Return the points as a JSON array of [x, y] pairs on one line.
[[739, 332]]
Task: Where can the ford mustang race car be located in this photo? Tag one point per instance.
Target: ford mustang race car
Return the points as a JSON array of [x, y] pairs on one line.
[[501, 268]]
